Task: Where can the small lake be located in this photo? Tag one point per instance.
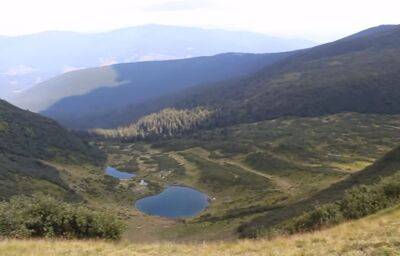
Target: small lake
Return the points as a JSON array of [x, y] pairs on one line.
[[118, 174], [174, 202]]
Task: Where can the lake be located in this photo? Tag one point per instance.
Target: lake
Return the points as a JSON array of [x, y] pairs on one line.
[[174, 202], [118, 174]]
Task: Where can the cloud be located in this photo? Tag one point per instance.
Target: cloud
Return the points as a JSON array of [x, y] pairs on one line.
[[19, 70], [108, 61], [155, 56], [38, 80], [67, 69], [181, 5]]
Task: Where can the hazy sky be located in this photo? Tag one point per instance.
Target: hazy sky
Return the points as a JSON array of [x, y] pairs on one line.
[[319, 20]]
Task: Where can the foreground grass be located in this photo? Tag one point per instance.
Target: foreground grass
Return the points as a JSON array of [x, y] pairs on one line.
[[375, 235]]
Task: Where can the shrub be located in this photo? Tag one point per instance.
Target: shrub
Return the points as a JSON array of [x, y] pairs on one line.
[[42, 216], [392, 189], [322, 216], [356, 203], [363, 200]]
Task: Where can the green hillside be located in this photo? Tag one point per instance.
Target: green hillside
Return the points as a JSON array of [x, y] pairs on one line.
[[387, 167], [359, 73], [28, 143]]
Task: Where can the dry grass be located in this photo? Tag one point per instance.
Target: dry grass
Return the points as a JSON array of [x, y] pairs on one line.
[[376, 235]]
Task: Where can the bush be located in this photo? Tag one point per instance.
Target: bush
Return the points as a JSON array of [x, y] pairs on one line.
[[42, 216], [322, 216], [363, 200], [392, 190], [356, 203]]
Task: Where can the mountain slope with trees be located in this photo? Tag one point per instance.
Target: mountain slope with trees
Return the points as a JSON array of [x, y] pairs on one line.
[[360, 73], [75, 97], [166, 123]]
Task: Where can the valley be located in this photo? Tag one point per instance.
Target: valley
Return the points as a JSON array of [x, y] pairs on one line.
[[247, 170], [235, 152]]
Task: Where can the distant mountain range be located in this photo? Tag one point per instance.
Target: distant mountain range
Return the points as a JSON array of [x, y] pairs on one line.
[[31, 59]]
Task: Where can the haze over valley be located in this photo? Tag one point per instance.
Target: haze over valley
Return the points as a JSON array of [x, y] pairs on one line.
[[31, 59]]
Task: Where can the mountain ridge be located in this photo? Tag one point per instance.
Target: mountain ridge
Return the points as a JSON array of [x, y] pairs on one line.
[[79, 94], [357, 74], [29, 59]]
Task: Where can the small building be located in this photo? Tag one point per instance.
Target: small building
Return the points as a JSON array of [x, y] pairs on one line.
[[143, 183]]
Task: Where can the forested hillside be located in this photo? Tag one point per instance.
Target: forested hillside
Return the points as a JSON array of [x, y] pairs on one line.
[[360, 73], [77, 98], [166, 123]]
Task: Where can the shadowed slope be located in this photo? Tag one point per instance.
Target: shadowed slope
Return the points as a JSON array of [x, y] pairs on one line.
[[27, 141], [74, 97], [360, 73]]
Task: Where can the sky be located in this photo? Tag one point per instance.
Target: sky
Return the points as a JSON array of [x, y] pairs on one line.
[[317, 20]]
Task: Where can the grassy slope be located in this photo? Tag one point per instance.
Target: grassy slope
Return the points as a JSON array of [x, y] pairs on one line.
[[375, 235], [38, 155], [387, 166], [28, 134], [292, 148]]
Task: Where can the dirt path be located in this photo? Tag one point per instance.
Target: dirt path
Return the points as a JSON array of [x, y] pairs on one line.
[[280, 183], [190, 167]]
